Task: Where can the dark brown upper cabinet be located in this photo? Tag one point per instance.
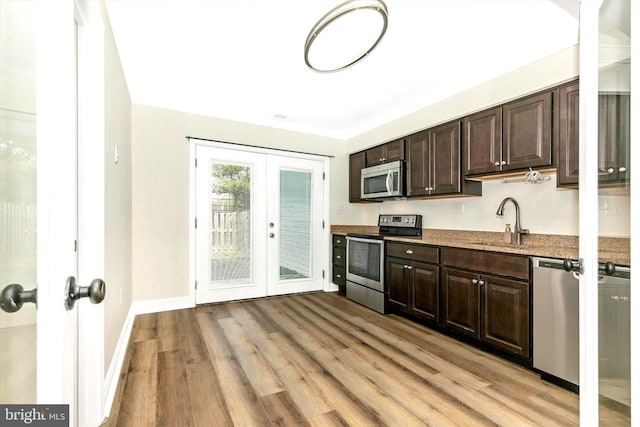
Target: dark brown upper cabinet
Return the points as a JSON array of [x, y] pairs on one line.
[[512, 137], [613, 137], [568, 131], [433, 161], [357, 162], [385, 153]]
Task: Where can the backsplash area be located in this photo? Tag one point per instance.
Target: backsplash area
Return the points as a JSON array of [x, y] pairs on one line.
[[544, 209]]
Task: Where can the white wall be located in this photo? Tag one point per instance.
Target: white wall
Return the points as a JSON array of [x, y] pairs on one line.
[[544, 208], [160, 188]]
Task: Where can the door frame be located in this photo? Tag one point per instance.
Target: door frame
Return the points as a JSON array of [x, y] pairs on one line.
[[327, 286], [91, 208]]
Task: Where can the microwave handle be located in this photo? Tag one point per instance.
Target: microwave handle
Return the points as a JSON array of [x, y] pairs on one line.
[[389, 181]]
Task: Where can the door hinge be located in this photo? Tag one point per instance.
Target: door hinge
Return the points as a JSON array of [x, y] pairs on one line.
[[323, 224], [75, 246], [323, 274], [323, 176], [196, 161], [196, 222], [196, 284]]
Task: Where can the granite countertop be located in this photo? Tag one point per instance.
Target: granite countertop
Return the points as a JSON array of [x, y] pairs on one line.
[[611, 249]]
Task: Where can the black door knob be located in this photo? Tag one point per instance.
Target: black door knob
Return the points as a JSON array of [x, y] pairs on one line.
[[14, 296], [96, 292]]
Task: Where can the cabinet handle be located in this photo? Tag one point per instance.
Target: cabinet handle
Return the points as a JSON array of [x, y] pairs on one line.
[[338, 241], [409, 251], [610, 170], [504, 162], [338, 257], [409, 267], [474, 281], [622, 169], [481, 282], [339, 276], [497, 163], [405, 266]]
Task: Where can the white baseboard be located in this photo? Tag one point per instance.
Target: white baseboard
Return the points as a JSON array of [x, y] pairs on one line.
[[137, 307], [162, 304], [332, 287]]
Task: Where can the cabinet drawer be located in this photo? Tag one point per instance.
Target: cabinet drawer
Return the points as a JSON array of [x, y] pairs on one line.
[[488, 262], [339, 275], [339, 257], [339, 241], [422, 253]]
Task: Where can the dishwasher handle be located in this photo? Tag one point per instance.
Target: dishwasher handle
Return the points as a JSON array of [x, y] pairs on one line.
[[606, 268], [573, 266]]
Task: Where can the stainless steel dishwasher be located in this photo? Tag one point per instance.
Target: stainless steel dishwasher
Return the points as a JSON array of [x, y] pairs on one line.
[[556, 322]]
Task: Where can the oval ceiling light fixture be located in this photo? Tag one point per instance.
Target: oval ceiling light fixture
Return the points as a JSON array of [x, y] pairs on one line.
[[345, 35]]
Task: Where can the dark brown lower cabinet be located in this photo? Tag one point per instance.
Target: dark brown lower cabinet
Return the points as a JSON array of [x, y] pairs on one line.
[[413, 279], [505, 314], [488, 307], [492, 309], [339, 266], [413, 287]]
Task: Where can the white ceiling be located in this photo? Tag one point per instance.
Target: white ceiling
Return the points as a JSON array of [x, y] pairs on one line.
[[244, 59]]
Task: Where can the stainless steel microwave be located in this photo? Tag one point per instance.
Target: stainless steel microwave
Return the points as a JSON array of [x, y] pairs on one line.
[[385, 180]]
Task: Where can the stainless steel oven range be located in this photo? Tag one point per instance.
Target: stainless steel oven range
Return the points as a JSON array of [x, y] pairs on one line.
[[365, 258]]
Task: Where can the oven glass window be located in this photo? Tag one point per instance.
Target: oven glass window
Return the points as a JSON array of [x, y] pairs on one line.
[[364, 259]]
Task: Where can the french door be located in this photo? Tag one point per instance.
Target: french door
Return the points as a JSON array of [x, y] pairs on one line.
[[608, 332], [259, 224]]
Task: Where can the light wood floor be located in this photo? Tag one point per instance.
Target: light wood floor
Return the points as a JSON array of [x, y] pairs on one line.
[[319, 359]]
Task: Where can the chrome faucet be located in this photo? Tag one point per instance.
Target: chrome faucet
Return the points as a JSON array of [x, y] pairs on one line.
[[517, 231]]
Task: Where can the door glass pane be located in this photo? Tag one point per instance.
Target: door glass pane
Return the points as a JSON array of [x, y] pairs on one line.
[[295, 224], [231, 256], [614, 93], [18, 196]]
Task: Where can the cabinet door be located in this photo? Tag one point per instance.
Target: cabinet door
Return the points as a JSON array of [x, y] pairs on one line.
[[424, 289], [460, 301], [526, 139], [505, 314], [444, 150], [568, 134], [394, 150], [375, 155], [613, 138], [384, 153], [397, 284], [482, 142], [418, 164], [356, 164]]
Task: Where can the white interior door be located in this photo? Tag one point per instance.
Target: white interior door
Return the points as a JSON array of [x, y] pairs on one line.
[[38, 197], [294, 250], [259, 224], [39, 207]]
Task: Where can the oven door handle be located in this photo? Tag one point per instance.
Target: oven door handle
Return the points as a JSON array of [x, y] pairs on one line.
[[388, 182]]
